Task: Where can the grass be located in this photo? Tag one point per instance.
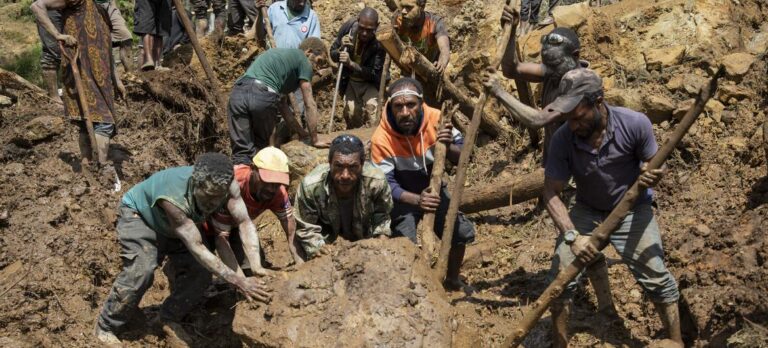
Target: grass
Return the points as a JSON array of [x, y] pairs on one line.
[[27, 65]]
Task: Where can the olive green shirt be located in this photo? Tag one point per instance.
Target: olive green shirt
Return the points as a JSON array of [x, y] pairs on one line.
[[317, 209], [282, 69]]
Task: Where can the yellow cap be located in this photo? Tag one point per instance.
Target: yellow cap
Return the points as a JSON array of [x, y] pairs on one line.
[[273, 165]]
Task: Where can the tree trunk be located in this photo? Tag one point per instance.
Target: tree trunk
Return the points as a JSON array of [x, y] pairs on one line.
[[503, 193]]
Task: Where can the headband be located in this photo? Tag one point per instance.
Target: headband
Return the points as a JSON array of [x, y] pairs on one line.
[[403, 92]]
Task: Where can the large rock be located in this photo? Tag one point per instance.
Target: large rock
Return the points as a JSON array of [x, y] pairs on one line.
[[572, 16], [658, 108], [628, 98], [737, 64], [372, 293], [655, 59], [41, 128]]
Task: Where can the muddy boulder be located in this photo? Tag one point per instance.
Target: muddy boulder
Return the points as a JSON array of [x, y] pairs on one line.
[[372, 293], [41, 128]]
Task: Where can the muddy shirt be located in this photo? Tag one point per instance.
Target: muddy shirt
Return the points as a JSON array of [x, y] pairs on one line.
[[318, 210], [424, 39], [281, 69], [172, 185], [603, 175]]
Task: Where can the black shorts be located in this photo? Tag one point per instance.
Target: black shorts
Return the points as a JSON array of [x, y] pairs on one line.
[[152, 17]]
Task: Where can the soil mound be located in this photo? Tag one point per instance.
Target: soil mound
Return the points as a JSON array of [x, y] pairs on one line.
[[371, 293]]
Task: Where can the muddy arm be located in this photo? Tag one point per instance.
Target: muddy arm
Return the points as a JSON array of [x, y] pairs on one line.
[[248, 234], [40, 8], [310, 107], [528, 116], [288, 224], [555, 205]]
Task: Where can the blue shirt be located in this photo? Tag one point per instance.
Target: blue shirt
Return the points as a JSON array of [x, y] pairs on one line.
[[603, 175], [290, 33], [172, 185]]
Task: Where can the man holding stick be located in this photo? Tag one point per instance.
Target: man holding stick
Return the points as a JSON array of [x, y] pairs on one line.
[[603, 146]]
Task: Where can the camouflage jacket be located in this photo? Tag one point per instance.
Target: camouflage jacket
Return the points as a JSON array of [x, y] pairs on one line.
[[317, 208]]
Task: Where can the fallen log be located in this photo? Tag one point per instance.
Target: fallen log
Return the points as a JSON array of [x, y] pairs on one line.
[[601, 234], [10, 80], [407, 58], [503, 193]]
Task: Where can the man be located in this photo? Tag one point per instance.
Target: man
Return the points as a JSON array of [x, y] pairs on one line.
[[559, 54], [348, 197], [121, 36], [529, 11], [362, 55], [425, 31], [152, 21], [157, 218], [263, 186], [253, 103], [50, 57], [402, 146], [96, 73], [201, 14], [293, 21], [605, 149]]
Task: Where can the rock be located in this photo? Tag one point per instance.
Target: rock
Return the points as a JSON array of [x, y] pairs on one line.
[[759, 43], [658, 107], [14, 169], [655, 59], [572, 16], [701, 230], [41, 128], [628, 98], [675, 83], [714, 109], [737, 143], [727, 92], [371, 293], [682, 108], [5, 101], [737, 64]]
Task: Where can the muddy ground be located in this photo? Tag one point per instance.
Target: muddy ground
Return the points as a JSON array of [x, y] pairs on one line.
[[58, 248]]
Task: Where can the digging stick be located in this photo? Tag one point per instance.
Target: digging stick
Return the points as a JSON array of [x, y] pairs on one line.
[[425, 232], [382, 89], [602, 233], [83, 100], [198, 49], [335, 97], [466, 153]]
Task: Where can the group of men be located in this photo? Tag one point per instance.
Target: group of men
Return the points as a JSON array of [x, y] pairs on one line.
[[188, 213]]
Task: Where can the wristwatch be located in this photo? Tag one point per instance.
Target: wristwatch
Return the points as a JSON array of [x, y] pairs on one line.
[[570, 236]]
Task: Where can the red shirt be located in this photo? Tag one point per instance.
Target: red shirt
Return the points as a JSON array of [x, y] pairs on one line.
[[280, 203]]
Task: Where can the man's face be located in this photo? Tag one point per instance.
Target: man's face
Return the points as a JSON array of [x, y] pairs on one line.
[[411, 11], [558, 58], [208, 196], [345, 172], [317, 60], [297, 5], [265, 191], [366, 29], [406, 110], [581, 120]]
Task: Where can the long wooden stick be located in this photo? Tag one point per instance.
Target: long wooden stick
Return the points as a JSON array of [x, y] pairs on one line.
[[425, 232], [83, 100], [382, 89], [336, 95], [198, 49], [466, 154], [602, 233]]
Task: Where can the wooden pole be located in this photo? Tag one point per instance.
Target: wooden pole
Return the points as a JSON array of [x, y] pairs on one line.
[[198, 49], [466, 153], [602, 233], [429, 75], [503, 193], [83, 100], [425, 232], [382, 89]]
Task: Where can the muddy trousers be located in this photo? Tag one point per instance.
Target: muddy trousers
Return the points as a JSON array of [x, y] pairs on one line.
[[637, 240], [251, 116], [360, 106], [142, 250]]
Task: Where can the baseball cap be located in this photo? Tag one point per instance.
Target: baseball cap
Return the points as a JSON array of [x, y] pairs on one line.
[[272, 165], [573, 86]]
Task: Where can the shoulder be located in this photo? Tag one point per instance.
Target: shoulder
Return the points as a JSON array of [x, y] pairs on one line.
[[316, 176], [372, 172], [561, 138], [629, 118], [433, 17]]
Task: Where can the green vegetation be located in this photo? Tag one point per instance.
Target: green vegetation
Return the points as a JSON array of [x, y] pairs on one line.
[[27, 65]]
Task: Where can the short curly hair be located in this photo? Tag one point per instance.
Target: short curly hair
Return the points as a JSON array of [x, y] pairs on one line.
[[215, 168], [313, 44], [347, 144]]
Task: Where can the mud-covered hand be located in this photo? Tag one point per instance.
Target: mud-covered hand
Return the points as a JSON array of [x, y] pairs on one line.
[[584, 250], [344, 58], [428, 201], [510, 15], [442, 62], [490, 79], [254, 289], [445, 135], [346, 41], [68, 40], [262, 3], [650, 178]]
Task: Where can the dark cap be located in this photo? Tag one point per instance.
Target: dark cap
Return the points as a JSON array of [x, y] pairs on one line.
[[573, 86]]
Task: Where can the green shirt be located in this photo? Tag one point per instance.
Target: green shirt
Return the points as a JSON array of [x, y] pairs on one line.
[[318, 214], [281, 69], [172, 185]]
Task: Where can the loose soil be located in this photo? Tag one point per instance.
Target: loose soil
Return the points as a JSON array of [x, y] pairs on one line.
[[59, 253]]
